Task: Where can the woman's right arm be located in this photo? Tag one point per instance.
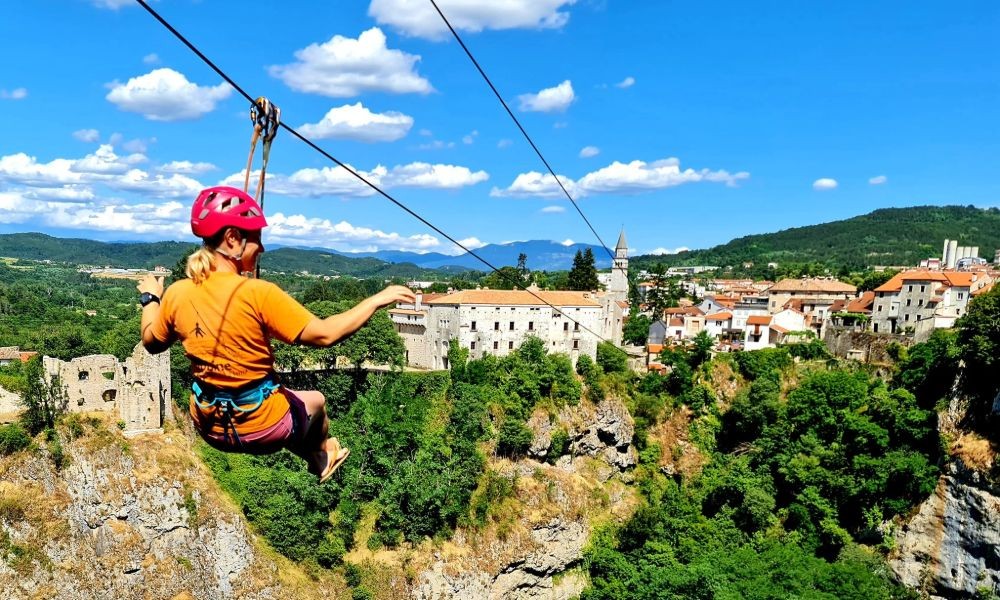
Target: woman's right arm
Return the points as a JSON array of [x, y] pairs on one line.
[[329, 331]]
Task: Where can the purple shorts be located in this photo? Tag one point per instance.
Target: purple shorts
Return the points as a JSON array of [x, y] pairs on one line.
[[286, 433]]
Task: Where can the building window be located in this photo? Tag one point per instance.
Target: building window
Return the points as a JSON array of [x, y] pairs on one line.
[[906, 317], [510, 345], [576, 327], [496, 345], [961, 295], [473, 326], [531, 325], [512, 325], [909, 288], [907, 301], [879, 308], [922, 288], [496, 326], [920, 302], [565, 326], [472, 345], [576, 344]]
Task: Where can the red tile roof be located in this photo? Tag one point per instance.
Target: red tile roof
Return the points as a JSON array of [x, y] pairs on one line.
[[759, 320], [816, 286], [721, 316], [654, 348], [676, 322], [516, 298]]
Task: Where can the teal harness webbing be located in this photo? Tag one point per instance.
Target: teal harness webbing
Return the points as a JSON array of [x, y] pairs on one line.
[[229, 403]]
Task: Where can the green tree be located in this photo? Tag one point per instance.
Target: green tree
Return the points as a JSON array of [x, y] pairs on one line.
[[636, 329], [979, 349], [611, 358], [583, 275], [44, 400]]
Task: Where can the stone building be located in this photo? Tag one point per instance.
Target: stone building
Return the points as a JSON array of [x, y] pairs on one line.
[[921, 300], [497, 322], [137, 390]]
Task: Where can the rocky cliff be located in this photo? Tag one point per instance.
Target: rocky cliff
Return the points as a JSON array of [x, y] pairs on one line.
[[950, 548], [101, 516]]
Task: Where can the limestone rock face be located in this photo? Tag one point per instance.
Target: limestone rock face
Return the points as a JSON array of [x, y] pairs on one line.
[[558, 547], [951, 547], [132, 519], [607, 434], [541, 426]]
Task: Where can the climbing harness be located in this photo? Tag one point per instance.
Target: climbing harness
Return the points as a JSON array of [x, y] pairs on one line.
[[232, 402]]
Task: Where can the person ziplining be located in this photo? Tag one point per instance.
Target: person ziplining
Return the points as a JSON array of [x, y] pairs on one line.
[[225, 319]]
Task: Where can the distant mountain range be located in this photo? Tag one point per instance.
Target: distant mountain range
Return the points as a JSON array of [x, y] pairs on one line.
[[892, 236], [543, 255]]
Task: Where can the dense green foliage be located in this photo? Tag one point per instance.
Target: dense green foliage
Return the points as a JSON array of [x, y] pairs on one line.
[[889, 236], [415, 459], [793, 485]]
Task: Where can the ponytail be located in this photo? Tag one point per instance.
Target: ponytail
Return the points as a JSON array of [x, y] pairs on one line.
[[199, 264]]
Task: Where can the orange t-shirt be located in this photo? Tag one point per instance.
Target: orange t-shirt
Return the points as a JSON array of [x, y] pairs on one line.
[[226, 323]]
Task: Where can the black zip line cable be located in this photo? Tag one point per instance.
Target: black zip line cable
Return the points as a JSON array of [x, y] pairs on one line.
[[357, 175], [523, 131]]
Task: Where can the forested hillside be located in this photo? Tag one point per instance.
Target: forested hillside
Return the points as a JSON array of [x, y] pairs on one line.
[[890, 236]]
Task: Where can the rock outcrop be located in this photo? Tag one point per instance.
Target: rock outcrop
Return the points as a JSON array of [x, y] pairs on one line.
[[124, 519], [951, 547]]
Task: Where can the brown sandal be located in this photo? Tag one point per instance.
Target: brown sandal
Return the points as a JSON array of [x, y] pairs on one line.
[[334, 459]]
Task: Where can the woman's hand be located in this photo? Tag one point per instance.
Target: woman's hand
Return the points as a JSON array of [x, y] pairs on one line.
[[151, 284], [393, 294]]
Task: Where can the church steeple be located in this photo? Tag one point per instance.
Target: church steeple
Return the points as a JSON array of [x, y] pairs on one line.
[[619, 268], [621, 249]]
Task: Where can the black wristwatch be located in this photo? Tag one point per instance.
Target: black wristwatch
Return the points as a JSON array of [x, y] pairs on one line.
[[147, 298]]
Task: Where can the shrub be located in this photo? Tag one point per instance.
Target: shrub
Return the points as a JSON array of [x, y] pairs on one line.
[[514, 439], [13, 438]]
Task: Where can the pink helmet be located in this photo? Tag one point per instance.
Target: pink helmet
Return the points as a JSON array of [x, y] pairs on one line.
[[219, 207]]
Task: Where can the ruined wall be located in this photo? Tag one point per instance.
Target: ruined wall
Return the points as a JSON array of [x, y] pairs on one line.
[[138, 389], [861, 345]]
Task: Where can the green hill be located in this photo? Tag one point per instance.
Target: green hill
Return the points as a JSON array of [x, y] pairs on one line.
[[38, 246], [889, 236]]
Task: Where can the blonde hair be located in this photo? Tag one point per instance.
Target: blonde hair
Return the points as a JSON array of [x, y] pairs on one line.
[[199, 263]]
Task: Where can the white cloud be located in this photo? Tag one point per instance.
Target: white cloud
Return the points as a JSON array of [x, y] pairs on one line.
[[878, 180], [589, 151], [355, 122], [618, 178], [186, 167], [469, 138], [151, 59], [418, 18], [537, 185], [302, 230], [166, 95], [424, 175], [504, 143], [345, 67], [554, 99], [104, 167], [436, 145], [87, 135], [554, 209], [112, 4], [567, 242], [626, 83], [66, 193], [337, 181], [824, 184], [15, 94], [661, 251], [426, 132], [470, 242]]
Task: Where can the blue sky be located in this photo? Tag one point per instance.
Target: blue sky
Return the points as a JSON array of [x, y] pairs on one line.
[[687, 123]]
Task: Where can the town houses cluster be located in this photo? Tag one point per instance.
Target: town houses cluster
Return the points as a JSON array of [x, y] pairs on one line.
[[737, 314]]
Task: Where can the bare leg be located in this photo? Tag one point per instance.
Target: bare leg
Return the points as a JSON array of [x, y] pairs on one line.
[[313, 447]]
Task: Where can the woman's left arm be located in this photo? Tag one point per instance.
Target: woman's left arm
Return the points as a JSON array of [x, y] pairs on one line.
[[151, 313]]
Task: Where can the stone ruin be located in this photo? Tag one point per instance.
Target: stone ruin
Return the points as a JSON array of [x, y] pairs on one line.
[[137, 390]]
